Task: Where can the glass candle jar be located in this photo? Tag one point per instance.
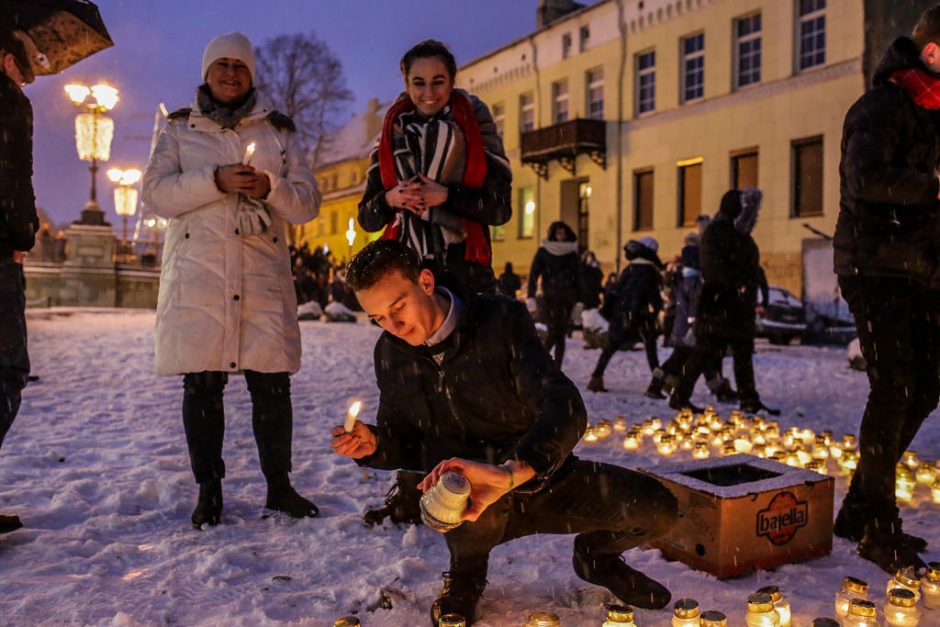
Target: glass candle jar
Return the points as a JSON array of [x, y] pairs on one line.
[[905, 578], [347, 621], [761, 612], [861, 614], [910, 459], [901, 609], [619, 616], [686, 613], [631, 443], [714, 618], [543, 619], [925, 474], [444, 504], [935, 492], [781, 605], [852, 590], [620, 424], [451, 620], [931, 586]]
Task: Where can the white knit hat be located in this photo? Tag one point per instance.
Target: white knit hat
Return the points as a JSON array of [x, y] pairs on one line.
[[232, 45]]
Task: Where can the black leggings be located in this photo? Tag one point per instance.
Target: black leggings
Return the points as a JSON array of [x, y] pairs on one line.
[[271, 421]]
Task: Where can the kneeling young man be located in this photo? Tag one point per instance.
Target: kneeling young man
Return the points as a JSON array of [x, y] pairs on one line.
[[466, 385]]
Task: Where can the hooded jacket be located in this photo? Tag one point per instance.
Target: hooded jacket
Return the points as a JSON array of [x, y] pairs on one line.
[[559, 267], [18, 219], [888, 218], [227, 302], [731, 274], [492, 394]]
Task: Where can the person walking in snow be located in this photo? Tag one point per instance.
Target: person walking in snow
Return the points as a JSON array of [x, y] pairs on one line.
[[592, 278], [886, 259], [637, 301], [556, 264], [508, 282], [465, 385], [439, 177], [18, 225], [226, 302], [731, 282]]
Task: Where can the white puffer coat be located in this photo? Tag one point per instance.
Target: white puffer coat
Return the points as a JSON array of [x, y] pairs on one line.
[[226, 302]]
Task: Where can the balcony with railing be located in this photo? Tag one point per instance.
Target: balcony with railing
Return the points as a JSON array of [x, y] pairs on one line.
[[563, 142]]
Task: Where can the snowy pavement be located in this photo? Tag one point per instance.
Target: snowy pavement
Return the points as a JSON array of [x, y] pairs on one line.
[[96, 466]]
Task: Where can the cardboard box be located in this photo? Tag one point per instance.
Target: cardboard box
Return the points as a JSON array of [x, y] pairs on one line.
[[740, 513]]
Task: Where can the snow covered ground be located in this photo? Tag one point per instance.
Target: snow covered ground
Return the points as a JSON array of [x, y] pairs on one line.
[[96, 466]]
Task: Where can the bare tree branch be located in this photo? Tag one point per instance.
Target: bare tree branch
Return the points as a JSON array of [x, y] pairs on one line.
[[305, 81]]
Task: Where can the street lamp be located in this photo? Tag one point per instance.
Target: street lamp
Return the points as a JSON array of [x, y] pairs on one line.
[[93, 134], [125, 194], [351, 235]]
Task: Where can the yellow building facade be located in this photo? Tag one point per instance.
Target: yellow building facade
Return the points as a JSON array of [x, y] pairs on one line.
[[628, 118]]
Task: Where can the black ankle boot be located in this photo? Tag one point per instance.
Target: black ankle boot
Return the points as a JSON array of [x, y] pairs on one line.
[[282, 497], [655, 388], [402, 502], [460, 594], [209, 506], [627, 584], [9, 522], [888, 547], [679, 404], [754, 407]]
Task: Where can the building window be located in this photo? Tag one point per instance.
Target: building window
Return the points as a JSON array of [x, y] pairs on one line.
[[646, 82], [526, 112], [498, 233], [354, 176], [566, 45], [595, 94], [744, 168], [527, 215], [584, 38], [747, 50], [693, 67], [643, 200], [811, 31], [334, 223], [807, 177], [499, 118], [560, 102], [690, 191]]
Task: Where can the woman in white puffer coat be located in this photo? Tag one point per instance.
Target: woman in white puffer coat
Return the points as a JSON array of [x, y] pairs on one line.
[[226, 301]]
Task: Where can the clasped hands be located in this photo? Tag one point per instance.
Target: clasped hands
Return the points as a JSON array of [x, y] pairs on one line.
[[236, 178], [417, 195], [488, 483]]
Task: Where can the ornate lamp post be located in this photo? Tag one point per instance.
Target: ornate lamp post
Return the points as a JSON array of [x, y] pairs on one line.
[[125, 198], [93, 134], [351, 236]]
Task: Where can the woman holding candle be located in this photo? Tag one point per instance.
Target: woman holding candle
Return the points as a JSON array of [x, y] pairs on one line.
[[229, 176]]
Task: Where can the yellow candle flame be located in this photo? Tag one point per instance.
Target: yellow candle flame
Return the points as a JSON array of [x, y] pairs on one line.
[[352, 413], [249, 151]]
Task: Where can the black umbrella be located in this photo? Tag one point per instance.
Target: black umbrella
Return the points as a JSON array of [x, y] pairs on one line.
[[56, 33]]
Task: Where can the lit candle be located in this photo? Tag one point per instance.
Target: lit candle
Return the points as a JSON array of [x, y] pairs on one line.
[[852, 590], [802, 456], [900, 609], [835, 451], [620, 424], [861, 614], [249, 151], [742, 445], [619, 616], [351, 415], [760, 611], [781, 605], [907, 579], [931, 586], [701, 450], [631, 443], [686, 613], [911, 460], [590, 436], [925, 473], [666, 445], [935, 491], [543, 619]]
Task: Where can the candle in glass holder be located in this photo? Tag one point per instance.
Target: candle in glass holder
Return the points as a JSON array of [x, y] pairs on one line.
[[728, 449], [590, 436], [452, 620], [910, 459], [852, 590], [925, 473], [761, 612], [931, 586], [802, 455], [351, 415], [742, 445], [656, 423], [849, 441], [701, 450], [347, 621], [658, 435], [543, 619], [907, 579], [603, 428], [620, 424], [904, 485], [714, 618], [935, 492], [835, 451], [631, 442], [444, 504], [249, 152], [666, 445], [817, 466], [686, 613], [781, 605], [900, 610], [861, 614], [619, 616]]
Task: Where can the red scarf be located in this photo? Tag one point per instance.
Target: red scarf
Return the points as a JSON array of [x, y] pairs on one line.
[[477, 248], [922, 87]]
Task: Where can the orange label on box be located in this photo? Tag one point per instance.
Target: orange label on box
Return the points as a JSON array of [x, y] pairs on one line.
[[783, 518]]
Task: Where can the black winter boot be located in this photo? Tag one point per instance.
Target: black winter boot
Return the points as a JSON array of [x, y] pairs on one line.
[[9, 523], [282, 497], [721, 388], [402, 502], [460, 594], [885, 545], [851, 521], [209, 506], [655, 389], [627, 584], [678, 404], [596, 384], [754, 407]]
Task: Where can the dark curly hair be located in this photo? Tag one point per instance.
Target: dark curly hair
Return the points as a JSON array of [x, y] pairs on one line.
[[927, 29], [429, 48], [379, 258]]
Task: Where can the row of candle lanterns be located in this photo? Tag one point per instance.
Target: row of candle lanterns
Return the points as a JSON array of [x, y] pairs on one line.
[[700, 435]]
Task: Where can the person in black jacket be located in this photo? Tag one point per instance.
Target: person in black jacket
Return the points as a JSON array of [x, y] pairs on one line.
[[18, 225], [556, 264], [731, 280], [439, 177], [592, 278], [466, 386], [509, 282], [635, 308], [886, 258]]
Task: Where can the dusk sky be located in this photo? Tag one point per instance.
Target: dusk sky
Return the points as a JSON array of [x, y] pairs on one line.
[[158, 50]]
